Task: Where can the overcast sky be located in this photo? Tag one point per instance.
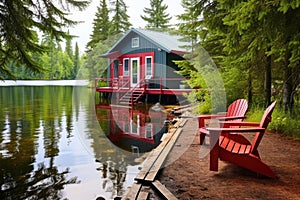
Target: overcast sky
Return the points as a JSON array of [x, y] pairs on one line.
[[135, 10]]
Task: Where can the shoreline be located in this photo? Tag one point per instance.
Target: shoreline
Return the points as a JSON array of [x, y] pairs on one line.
[[44, 83]]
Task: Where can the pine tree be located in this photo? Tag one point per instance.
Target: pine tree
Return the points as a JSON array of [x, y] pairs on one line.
[[120, 21], [156, 16], [189, 25], [76, 62], [101, 26], [19, 18], [68, 48]]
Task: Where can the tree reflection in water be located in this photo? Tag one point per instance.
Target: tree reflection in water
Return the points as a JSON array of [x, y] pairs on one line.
[[113, 175], [44, 183]]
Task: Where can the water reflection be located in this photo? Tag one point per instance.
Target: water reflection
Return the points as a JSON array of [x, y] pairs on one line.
[[43, 183], [128, 134], [137, 130], [55, 143], [29, 113]]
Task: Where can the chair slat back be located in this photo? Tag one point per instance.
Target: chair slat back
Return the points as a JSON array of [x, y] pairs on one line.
[[266, 119], [238, 108]]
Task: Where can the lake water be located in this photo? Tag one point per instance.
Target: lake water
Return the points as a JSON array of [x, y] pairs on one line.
[[57, 142]]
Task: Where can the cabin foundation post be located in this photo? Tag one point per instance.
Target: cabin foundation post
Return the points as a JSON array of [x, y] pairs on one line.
[[146, 98]]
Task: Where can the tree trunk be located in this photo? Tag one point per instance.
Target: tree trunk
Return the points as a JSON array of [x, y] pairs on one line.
[[288, 87], [250, 94], [268, 81]]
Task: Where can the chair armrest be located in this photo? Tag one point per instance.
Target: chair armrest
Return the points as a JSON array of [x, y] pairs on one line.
[[231, 118], [214, 116], [202, 118], [234, 123], [227, 130]]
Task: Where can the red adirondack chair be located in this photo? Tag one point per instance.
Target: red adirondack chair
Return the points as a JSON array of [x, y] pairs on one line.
[[236, 148], [236, 111]]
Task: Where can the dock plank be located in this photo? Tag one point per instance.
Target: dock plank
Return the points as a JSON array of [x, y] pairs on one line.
[[143, 195], [162, 157], [133, 192], [153, 156], [153, 164], [163, 190]]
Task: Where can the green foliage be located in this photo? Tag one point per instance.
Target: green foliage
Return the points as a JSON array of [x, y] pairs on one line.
[[56, 63], [76, 61], [234, 80], [101, 26], [205, 107], [285, 123], [120, 20], [252, 53], [93, 66], [156, 16], [255, 114], [189, 25], [18, 21], [281, 122], [68, 48], [102, 84]]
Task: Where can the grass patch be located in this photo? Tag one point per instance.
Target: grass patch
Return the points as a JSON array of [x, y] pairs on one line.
[[281, 122]]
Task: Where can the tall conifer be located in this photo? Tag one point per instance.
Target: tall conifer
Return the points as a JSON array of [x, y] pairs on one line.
[[76, 61], [189, 25], [120, 20], [68, 48], [101, 26], [156, 16]]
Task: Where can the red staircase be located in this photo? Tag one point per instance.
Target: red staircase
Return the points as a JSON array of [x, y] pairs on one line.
[[133, 94]]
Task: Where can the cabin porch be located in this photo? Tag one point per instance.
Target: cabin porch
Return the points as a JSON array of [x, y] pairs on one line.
[[124, 94]]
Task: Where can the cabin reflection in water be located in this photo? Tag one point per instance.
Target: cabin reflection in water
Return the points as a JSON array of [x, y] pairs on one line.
[[134, 129]]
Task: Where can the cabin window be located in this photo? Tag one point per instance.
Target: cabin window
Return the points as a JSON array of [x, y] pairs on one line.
[[126, 67], [149, 67], [135, 42]]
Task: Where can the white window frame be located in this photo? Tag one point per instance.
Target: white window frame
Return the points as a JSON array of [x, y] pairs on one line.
[[126, 72], [148, 76], [135, 42]]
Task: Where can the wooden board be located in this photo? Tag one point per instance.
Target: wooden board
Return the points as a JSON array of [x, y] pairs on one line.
[[153, 164], [153, 156], [151, 159], [143, 195], [162, 157], [163, 190], [133, 192]]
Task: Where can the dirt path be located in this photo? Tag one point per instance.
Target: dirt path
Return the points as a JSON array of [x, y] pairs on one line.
[[187, 173]]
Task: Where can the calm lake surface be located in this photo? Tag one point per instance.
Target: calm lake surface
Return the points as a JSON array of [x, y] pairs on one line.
[[56, 142]]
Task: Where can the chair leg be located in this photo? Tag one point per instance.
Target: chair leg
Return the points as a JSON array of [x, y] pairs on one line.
[[202, 138]]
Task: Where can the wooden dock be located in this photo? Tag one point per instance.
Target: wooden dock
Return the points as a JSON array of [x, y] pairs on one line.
[[146, 178]]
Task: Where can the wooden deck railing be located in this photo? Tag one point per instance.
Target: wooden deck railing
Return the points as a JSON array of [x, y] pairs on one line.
[[153, 83]]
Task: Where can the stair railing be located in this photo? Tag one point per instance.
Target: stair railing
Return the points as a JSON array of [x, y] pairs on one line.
[[135, 88]]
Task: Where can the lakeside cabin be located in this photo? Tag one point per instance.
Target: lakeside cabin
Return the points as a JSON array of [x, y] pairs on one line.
[[141, 68]]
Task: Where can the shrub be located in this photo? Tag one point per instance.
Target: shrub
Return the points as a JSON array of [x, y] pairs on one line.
[[285, 123], [281, 122]]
